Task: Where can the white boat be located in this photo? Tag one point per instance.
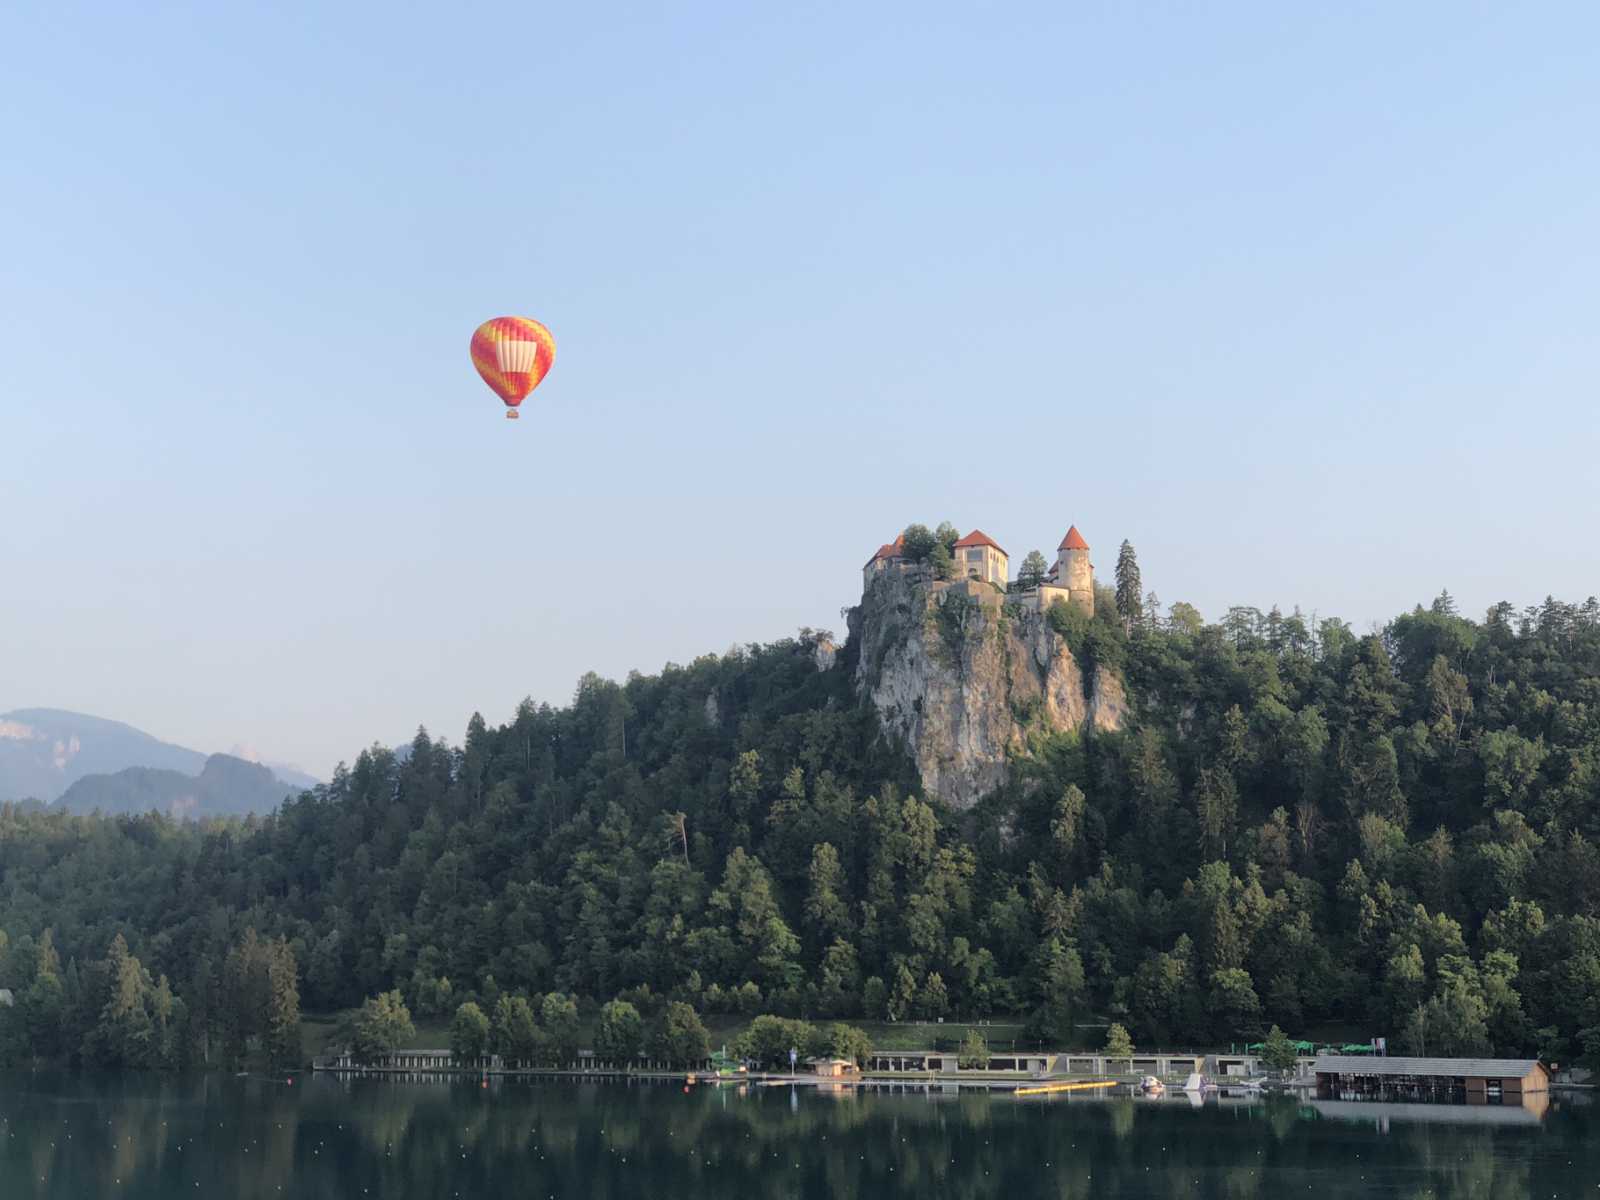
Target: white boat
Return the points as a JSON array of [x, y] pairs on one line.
[[1151, 1086], [1197, 1083]]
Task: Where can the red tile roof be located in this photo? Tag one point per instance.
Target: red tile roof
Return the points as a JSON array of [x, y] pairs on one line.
[[1073, 541], [889, 550], [978, 538]]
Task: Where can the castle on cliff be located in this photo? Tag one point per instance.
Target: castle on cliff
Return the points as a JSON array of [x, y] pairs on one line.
[[982, 570]]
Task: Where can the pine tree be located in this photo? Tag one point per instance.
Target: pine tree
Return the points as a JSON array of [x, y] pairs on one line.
[[128, 1033], [825, 912], [1152, 612], [45, 1000], [281, 1037], [933, 1000], [1130, 594], [166, 1011], [903, 995], [1033, 570]]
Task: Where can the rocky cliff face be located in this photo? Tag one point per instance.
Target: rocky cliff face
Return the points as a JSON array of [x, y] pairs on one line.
[[965, 678]]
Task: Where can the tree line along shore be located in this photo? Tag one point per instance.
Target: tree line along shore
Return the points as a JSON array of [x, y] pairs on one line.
[[1299, 826]]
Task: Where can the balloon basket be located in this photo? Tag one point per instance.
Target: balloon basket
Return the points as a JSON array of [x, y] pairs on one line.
[[512, 414]]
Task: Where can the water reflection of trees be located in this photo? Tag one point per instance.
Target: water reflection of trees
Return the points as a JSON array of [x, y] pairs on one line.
[[251, 1138]]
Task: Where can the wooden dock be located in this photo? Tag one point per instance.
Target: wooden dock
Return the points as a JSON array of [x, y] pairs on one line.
[[1051, 1089]]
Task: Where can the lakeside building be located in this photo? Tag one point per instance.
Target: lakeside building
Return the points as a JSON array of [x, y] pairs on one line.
[[1350, 1075], [834, 1068], [1032, 1062]]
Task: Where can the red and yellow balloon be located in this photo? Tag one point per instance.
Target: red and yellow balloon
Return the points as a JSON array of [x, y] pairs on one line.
[[513, 354]]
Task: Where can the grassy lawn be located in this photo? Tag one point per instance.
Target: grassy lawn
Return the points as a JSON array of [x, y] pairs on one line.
[[921, 1035], [316, 1033], [888, 1035]]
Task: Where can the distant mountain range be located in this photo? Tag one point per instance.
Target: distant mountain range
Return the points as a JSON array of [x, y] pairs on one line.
[[88, 762], [226, 786]]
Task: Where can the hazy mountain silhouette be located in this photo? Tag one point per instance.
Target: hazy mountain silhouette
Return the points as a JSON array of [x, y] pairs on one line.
[[226, 786], [44, 751]]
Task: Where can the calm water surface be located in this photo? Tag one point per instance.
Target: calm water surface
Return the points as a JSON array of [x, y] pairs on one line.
[[143, 1138]]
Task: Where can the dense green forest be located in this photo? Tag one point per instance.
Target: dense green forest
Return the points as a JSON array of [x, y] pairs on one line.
[[1395, 834]]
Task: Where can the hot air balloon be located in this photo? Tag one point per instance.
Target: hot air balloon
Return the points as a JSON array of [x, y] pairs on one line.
[[512, 354]]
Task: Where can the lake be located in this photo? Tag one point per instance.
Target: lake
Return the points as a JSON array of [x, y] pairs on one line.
[[144, 1137]]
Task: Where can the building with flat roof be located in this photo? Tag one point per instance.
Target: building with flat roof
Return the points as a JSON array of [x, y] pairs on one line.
[[834, 1068], [1339, 1074]]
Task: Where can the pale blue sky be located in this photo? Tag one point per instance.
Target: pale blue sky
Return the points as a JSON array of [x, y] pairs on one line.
[[1301, 302]]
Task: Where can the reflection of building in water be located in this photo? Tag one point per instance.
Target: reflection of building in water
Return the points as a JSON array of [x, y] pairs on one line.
[[1530, 1110]]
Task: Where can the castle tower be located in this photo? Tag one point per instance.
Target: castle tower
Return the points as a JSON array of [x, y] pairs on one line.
[[1074, 571], [979, 556]]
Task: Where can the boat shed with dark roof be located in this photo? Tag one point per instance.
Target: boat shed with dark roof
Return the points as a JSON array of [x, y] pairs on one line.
[[1338, 1074]]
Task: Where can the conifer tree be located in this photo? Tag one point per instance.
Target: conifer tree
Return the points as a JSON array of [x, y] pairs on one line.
[[1033, 570], [826, 913], [902, 996], [281, 1037], [1130, 593], [1152, 611], [45, 1000]]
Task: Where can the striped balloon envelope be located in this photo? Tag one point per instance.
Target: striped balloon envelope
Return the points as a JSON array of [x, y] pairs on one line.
[[513, 354]]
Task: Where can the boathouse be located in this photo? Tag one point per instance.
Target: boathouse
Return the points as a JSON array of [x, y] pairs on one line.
[[1346, 1074]]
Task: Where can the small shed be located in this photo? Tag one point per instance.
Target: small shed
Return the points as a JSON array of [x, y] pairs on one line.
[[834, 1068], [1478, 1077]]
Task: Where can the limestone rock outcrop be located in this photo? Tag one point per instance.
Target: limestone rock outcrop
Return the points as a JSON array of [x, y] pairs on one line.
[[965, 676]]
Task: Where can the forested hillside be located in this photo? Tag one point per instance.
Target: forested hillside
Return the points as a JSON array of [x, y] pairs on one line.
[[1396, 833]]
